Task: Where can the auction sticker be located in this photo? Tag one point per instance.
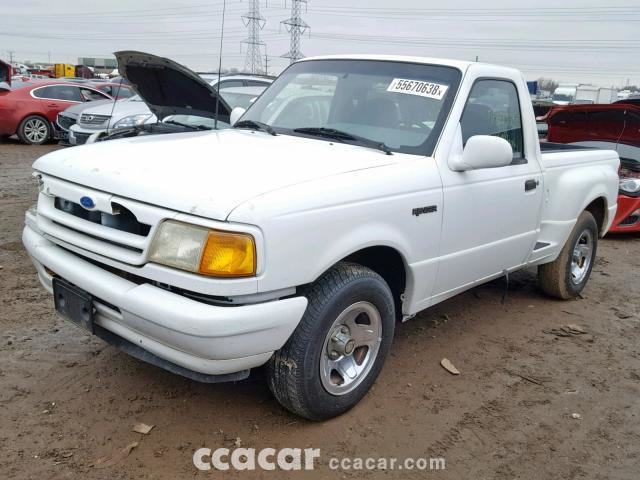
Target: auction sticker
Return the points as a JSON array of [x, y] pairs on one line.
[[418, 87]]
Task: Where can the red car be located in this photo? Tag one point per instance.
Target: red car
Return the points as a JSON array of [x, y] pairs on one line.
[[29, 109], [614, 127]]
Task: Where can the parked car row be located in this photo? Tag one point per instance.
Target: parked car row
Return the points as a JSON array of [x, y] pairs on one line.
[[170, 99], [29, 108], [72, 110]]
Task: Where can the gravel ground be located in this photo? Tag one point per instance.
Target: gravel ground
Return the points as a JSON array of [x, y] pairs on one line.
[[68, 402]]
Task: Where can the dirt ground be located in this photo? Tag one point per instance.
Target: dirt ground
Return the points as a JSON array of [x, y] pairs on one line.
[[68, 402]]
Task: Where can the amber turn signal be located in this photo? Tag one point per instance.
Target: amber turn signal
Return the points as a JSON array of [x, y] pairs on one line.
[[228, 254]]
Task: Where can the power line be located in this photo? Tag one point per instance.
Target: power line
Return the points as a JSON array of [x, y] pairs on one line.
[[296, 27], [465, 43], [254, 23]]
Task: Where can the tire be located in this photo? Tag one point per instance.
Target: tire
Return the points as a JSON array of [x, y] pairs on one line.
[[34, 130], [346, 295], [567, 276]]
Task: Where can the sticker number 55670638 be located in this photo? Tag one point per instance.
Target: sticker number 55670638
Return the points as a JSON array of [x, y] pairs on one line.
[[418, 87]]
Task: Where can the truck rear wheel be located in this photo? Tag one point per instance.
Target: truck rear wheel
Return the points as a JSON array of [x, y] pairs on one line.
[[338, 349], [567, 276]]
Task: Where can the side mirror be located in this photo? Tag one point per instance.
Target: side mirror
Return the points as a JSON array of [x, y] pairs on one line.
[[236, 113], [483, 151]]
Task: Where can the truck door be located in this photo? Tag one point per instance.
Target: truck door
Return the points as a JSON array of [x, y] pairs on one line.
[[491, 215]]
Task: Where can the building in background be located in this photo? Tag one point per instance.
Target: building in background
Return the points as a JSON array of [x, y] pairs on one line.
[[99, 65]]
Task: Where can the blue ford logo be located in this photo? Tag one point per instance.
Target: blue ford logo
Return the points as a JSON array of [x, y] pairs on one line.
[[87, 202]]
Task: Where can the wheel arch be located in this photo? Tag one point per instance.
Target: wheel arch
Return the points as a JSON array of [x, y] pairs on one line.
[[34, 114], [599, 209], [387, 262]]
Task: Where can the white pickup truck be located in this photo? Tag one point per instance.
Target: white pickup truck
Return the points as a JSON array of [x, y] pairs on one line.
[[354, 193]]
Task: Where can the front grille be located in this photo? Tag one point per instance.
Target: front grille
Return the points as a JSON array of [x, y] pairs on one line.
[[124, 220], [81, 138], [88, 119], [65, 122], [118, 228], [630, 220]]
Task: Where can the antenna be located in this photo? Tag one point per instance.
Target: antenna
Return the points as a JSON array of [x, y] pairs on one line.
[[266, 62], [296, 27], [115, 99], [224, 10], [254, 23]]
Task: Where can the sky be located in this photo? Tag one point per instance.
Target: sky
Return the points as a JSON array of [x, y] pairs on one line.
[[570, 41]]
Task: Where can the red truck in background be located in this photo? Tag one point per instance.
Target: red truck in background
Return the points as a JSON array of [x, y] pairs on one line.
[[615, 127]]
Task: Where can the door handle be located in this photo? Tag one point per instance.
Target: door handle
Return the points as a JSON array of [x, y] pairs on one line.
[[531, 185]]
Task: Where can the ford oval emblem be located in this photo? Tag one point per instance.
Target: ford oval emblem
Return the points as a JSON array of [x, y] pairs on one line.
[[87, 202]]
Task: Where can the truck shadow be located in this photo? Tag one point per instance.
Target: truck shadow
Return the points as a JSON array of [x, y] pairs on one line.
[[251, 398]]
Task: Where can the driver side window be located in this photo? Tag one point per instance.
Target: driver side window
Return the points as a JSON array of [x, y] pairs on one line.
[[89, 95], [493, 109]]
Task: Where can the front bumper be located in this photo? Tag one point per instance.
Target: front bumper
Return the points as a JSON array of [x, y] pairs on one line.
[[79, 138], [202, 338], [627, 218]]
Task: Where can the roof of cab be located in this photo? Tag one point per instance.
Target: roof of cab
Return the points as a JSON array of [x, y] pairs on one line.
[[461, 65]]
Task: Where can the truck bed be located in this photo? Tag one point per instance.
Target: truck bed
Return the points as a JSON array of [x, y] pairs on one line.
[[550, 147]]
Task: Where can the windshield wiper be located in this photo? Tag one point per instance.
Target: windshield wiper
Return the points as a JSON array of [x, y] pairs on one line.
[[256, 125], [192, 127], [343, 136]]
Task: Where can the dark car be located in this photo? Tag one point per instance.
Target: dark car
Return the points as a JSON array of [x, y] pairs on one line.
[[5, 75]]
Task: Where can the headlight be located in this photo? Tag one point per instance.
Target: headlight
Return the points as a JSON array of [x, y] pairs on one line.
[[132, 120], [630, 185], [205, 251]]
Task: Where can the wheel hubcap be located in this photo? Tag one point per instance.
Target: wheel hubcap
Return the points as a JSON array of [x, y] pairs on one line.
[[35, 130], [581, 258], [350, 348]]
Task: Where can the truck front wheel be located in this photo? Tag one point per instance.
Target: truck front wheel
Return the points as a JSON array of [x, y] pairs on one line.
[[567, 276], [338, 349]]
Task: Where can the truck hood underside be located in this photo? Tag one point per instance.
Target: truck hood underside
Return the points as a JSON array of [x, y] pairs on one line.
[[205, 173], [169, 88]]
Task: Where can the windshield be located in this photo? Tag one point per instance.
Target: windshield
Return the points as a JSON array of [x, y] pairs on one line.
[[234, 99], [400, 105]]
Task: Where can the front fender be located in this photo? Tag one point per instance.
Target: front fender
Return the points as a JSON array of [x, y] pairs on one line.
[[309, 227]]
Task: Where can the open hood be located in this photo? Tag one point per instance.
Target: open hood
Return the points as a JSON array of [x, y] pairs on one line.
[[169, 88], [5, 75]]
